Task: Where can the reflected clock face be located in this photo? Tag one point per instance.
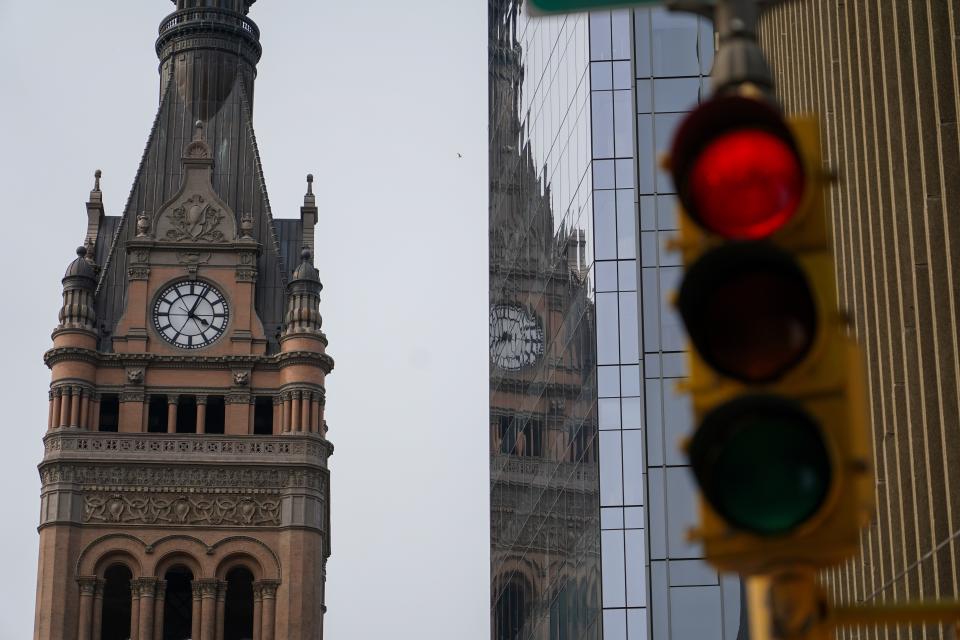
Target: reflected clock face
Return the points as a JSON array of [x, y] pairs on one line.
[[190, 315], [516, 337]]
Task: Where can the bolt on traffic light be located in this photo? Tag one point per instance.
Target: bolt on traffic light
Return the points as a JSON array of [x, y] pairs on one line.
[[780, 450]]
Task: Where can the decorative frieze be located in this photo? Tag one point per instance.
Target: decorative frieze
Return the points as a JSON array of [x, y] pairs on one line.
[[183, 509], [183, 447], [165, 361]]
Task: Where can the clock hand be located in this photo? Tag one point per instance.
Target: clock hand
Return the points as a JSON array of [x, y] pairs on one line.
[[199, 297]]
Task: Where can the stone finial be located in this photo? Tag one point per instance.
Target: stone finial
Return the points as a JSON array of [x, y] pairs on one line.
[[198, 130], [143, 225], [96, 179], [309, 184]]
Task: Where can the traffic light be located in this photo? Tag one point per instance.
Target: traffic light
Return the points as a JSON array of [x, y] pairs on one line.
[[780, 451]]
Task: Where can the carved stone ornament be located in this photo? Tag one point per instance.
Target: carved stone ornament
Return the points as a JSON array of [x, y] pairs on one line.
[[135, 376], [246, 225], [193, 509], [138, 273], [196, 213], [195, 219], [143, 225], [241, 378], [141, 255], [193, 257]]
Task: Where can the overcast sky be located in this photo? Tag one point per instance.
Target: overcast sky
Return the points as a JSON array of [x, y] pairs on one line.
[[377, 99]]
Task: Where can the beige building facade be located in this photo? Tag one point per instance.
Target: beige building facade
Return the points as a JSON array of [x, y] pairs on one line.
[[185, 488], [884, 79]]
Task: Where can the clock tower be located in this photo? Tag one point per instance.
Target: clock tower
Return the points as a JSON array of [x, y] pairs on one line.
[[184, 483]]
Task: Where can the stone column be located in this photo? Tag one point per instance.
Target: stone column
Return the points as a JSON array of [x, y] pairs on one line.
[[134, 610], [50, 402], [158, 609], [269, 590], [172, 414], [55, 408], [75, 406], [148, 591], [64, 406], [98, 610], [307, 418], [277, 415], [196, 615], [88, 588], [285, 412], [94, 413], [295, 412], [221, 608], [208, 608], [257, 610], [84, 421], [315, 414], [201, 414]]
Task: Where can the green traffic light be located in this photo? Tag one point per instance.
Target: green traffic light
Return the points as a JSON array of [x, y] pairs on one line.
[[762, 464]]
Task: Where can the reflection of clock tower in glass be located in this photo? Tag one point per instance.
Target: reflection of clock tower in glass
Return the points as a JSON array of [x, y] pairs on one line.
[[185, 489], [544, 479]]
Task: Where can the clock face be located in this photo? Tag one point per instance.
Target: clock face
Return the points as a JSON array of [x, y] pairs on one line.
[[190, 315], [516, 337]]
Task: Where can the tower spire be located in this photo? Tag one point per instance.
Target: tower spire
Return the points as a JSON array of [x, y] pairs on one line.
[[221, 43]]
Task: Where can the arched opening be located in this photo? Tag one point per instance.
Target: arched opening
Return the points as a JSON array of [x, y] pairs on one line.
[[116, 603], [178, 605], [238, 614], [510, 612]]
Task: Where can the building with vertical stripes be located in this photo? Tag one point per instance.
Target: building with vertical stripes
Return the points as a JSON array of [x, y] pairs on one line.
[[883, 78]]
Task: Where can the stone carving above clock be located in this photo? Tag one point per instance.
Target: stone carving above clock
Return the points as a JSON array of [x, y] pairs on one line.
[[196, 214]]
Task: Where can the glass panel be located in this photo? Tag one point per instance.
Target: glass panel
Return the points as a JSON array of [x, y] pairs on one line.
[[623, 119], [629, 329], [621, 34], [600, 35], [630, 380], [612, 572], [628, 275], [605, 225], [611, 479], [603, 174], [633, 471], [602, 112], [676, 94], [625, 174], [626, 229], [606, 273], [674, 42], [636, 558], [601, 76], [608, 381], [608, 329]]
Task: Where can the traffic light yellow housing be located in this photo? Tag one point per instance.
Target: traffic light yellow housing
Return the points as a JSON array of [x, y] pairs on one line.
[[780, 450]]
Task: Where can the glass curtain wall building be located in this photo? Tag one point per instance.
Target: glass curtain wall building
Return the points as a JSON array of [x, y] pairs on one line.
[[590, 496]]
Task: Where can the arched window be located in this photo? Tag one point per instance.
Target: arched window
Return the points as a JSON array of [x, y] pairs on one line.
[[178, 605], [116, 603], [238, 614], [510, 613]]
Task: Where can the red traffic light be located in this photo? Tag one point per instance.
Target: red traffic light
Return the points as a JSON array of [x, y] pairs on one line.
[[749, 311], [737, 169]]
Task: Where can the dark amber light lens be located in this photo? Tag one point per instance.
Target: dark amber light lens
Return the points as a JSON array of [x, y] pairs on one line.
[[749, 311], [762, 464], [745, 184]]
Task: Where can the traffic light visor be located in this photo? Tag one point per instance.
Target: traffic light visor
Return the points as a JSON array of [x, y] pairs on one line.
[[749, 311], [762, 464], [737, 169]]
